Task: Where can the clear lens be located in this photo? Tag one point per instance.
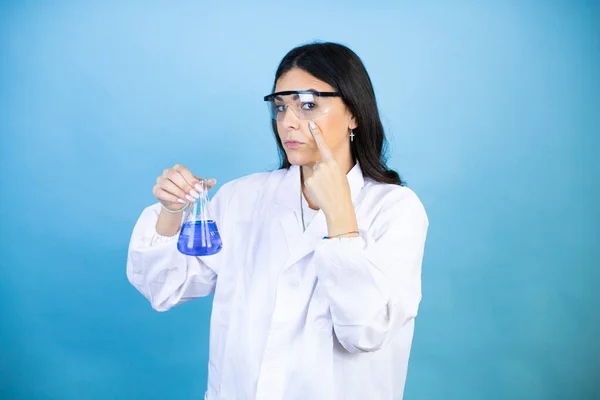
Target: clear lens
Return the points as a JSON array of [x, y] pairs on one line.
[[306, 106]]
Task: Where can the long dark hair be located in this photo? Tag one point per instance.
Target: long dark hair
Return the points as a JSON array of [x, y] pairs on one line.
[[341, 68]]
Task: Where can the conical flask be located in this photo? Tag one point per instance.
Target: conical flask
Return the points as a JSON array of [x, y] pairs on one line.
[[199, 235]]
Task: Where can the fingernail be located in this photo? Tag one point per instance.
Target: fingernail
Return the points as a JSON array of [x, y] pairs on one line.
[[311, 125], [182, 201], [195, 194], [190, 199], [198, 187]]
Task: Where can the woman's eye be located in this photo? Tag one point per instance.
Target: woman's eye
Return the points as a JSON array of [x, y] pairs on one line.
[[280, 107], [308, 106]]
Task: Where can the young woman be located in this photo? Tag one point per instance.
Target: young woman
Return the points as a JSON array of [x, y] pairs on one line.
[[319, 279]]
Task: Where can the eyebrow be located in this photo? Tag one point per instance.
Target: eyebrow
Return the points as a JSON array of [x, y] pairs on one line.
[[296, 94]]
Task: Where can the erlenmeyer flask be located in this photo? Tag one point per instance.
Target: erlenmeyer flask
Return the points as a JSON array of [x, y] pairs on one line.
[[199, 234]]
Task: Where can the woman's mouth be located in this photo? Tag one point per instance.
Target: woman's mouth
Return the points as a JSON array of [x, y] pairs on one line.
[[292, 144]]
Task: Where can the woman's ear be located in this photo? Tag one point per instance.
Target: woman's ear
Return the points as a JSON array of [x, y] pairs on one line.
[[352, 124], [350, 119]]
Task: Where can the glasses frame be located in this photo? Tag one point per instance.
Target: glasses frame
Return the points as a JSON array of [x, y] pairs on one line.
[[271, 96]]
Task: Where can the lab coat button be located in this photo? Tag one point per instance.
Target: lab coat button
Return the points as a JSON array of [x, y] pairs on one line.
[[294, 283]]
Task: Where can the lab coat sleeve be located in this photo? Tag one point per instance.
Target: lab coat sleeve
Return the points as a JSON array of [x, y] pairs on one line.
[[373, 281], [160, 272]]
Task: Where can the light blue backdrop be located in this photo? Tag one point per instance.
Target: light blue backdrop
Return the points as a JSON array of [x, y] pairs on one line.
[[492, 111]]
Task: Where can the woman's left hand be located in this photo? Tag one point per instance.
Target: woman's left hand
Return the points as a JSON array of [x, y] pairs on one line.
[[328, 186]]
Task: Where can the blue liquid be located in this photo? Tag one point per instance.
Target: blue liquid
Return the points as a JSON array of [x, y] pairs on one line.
[[199, 238]]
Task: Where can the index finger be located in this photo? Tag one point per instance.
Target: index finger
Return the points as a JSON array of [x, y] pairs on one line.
[[326, 153], [208, 182], [187, 175]]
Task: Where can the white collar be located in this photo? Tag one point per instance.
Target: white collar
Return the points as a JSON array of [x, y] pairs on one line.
[[289, 191]]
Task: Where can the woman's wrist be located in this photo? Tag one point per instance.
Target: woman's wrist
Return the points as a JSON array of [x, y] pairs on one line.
[[174, 210], [168, 224], [342, 221]]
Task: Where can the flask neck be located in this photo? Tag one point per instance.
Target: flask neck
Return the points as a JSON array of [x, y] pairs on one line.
[[199, 209]]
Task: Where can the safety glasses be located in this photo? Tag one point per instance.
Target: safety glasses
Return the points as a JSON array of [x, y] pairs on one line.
[[305, 104]]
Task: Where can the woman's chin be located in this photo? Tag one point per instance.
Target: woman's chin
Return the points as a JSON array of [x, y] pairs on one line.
[[299, 159]]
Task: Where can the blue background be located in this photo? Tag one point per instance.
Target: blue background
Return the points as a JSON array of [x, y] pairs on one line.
[[492, 111]]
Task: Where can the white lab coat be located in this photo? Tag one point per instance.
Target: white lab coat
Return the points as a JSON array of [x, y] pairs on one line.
[[295, 316]]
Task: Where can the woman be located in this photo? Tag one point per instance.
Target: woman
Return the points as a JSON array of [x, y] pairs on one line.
[[318, 282]]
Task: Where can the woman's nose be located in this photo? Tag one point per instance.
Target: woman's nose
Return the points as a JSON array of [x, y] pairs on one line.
[[290, 119]]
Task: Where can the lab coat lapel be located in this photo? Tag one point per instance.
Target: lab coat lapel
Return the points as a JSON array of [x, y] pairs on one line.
[[301, 243], [308, 241], [286, 199]]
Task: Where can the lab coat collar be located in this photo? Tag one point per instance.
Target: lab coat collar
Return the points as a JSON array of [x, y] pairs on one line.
[[289, 192], [302, 243]]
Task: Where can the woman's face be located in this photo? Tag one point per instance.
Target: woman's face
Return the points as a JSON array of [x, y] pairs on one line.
[[295, 136]]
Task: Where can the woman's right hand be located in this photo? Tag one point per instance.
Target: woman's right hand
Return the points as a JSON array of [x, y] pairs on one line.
[[178, 186]]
